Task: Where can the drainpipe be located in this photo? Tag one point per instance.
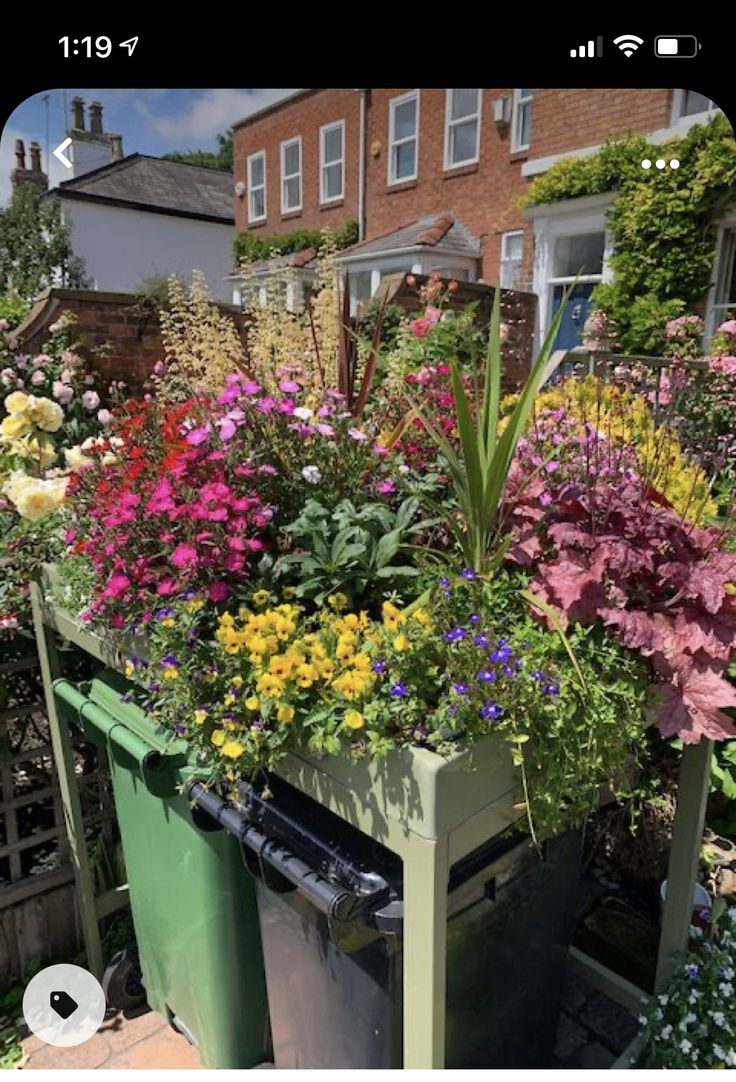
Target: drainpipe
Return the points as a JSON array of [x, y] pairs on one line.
[[361, 165]]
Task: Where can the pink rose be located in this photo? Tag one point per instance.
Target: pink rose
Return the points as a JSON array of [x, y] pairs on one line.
[[62, 393], [420, 328], [104, 417], [90, 400], [38, 378], [432, 314]]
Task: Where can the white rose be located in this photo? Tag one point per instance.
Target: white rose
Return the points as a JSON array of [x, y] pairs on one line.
[[303, 413]]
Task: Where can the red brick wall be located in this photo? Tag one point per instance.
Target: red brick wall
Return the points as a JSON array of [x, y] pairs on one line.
[[483, 196], [118, 338], [302, 117]]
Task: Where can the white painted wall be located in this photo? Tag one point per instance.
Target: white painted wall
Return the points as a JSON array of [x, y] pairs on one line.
[[120, 247]]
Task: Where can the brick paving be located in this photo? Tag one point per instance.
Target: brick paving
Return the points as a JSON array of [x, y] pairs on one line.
[[134, 1040]]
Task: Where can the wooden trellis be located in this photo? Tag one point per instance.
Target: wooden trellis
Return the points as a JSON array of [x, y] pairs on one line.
[[37, 913]]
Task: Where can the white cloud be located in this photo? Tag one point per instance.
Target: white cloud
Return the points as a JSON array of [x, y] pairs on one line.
[[214, 111], [57, 172]]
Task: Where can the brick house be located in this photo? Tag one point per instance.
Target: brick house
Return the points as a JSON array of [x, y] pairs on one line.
[[433, 178]]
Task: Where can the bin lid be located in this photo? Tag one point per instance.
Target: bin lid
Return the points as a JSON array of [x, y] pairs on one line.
[[107, 690]]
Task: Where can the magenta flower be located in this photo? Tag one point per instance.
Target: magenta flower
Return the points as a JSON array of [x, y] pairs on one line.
[[217, 591], [385, 488], [184, 556], [420, 328], [197, 436], [289, 386], [266, 405]]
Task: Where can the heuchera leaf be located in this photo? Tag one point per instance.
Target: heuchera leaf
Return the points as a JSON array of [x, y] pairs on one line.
[[691, 705]]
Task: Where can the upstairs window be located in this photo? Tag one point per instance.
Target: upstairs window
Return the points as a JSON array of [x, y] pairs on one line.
[[403, 128], [257, 187], [291, 175], [521, 120], [462, 127], [690, 103], [332, 162]]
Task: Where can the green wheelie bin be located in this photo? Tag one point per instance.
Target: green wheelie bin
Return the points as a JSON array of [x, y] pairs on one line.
[[192, 899]]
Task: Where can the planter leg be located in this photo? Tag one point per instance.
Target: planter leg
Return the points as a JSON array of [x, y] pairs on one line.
[[687, 839], [64, 763], [426, 871]]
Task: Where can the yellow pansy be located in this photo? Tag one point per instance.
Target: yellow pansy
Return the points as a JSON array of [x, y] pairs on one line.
[[306, 675], [393, 618], [199, 716], [232, 749], [218, 738], [170, 673], [326, 669], [281, 665], [237, 681], [271, 686], [195, 603], [343, 651], [354, 719], [401, 642], [129, 668], [337, 601], [252, 702], [352, 684], [285, 713], [228, 700], [361, 663], [422, 617], [227, 620], [261, 597]]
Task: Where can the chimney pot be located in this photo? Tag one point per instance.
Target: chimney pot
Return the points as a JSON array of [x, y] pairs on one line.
[[78, 113], [20, 154], [95, 117], [35, 150], [116, 143]]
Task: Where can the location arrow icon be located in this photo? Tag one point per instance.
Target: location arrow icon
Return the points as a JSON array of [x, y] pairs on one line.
[[59, 153]]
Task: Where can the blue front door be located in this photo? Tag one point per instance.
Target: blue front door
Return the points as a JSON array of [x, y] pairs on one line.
[[575, 314]]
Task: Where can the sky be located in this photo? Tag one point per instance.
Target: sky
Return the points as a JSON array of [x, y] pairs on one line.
[[150, 121]]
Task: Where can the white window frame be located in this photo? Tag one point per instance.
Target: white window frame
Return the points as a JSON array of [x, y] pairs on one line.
[[504, 252], [450, 123], [519, 104], [678, 100], [393, 104], [287, 143], [323, 131], [251, 188], [717, 310]]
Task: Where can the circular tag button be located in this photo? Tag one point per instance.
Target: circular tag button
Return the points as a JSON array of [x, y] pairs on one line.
[[64, 1005]]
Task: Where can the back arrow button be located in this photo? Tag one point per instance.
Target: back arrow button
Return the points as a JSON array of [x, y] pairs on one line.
[[59, 153]]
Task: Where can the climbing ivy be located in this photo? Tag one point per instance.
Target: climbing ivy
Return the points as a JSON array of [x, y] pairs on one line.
[[251, 246], [661, 222]]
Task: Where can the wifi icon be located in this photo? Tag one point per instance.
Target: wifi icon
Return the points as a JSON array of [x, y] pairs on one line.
[[628, 43]]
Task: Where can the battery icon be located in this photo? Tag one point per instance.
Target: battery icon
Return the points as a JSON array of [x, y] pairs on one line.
[[677, 45]]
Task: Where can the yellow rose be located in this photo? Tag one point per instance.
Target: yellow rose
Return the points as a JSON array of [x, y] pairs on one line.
[[354, 719], [17, 402], [34, 498], [76, 458], [46, 414], [14, 425]]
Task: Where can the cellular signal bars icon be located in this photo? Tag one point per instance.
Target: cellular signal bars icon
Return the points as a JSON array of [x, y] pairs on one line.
[[590, 49]]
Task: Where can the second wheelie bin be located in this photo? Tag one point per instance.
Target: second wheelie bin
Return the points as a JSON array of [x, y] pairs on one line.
[[192, 900]]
